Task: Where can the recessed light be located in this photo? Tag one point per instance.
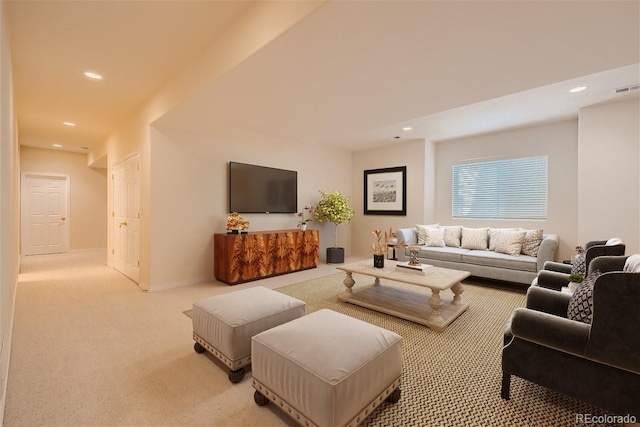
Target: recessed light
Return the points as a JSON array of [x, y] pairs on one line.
[[70, 124], [93, 75], [578, 89], [57, 145], [407, 129]]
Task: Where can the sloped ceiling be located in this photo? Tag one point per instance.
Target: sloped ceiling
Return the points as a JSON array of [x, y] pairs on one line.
[[351, 74]]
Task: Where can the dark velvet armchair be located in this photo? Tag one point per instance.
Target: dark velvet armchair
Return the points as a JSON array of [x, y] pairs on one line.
[[555, 275], [597, 363]]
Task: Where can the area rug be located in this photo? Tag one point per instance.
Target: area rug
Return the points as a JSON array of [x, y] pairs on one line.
[[452, 378]]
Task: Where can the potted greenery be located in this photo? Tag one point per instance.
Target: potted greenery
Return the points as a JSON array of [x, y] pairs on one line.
[[334, 207], [574, 281]]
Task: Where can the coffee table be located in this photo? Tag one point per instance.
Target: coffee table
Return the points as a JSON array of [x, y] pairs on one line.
[[405, 303]]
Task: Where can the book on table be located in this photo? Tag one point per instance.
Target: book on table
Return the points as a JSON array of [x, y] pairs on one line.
[[406, 267]]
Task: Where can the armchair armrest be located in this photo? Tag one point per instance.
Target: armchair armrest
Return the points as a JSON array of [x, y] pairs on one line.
[[550, 331], [552, 279], [548, 301], [560, 267]]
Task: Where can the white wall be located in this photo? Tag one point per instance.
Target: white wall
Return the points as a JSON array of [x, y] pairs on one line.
[[9, 205], [412, 154], [558, 140], [608, 177], [189, 199]]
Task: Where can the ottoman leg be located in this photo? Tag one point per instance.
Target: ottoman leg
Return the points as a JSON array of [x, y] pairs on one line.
[[260, 399], [236, 376], [198, 348], [394, 396]]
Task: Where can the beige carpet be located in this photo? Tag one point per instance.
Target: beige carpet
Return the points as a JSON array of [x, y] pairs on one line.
[[90, 349]]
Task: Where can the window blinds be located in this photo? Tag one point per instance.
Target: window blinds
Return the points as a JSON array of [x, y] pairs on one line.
[[501, 189]]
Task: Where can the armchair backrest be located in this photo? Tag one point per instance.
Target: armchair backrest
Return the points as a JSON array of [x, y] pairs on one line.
[[598, 248], [614, 337]]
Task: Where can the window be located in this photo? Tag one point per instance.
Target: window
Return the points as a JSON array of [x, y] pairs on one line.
[[501, 189]]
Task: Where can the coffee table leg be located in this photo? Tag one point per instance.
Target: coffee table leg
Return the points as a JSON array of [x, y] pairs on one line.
[[435, 302], [349, 282], [457, 291]]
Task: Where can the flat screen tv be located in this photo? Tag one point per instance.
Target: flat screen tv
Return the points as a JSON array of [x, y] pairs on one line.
[[260, 189]]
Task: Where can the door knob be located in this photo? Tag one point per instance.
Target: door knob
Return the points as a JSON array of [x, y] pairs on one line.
[[63, 218], [123, 223]]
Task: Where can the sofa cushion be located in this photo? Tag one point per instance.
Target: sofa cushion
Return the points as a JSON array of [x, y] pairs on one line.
[[496, 259], [581, 303], [475, 238], [452, 235], [442, 253], [532, 240], [422, 232], [510, 242]]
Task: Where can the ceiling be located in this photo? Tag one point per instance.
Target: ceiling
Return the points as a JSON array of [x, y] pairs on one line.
[[352, 74]]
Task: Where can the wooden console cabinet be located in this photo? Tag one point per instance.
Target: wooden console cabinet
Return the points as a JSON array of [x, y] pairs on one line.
[[240, 258]]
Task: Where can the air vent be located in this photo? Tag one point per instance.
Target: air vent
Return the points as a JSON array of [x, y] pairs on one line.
[[627, 88]]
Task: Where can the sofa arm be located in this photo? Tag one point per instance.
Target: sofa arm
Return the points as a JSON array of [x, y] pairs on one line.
[[552, 280], [547, 250], [548, 301], [550, 331], [409, 236], [560, 267]]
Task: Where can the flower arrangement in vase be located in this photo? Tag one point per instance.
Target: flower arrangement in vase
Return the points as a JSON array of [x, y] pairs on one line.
[[236, 222], [302, 223], [379, 248]]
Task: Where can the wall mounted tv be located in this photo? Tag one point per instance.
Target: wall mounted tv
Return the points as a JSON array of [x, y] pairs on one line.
[[260, 189]]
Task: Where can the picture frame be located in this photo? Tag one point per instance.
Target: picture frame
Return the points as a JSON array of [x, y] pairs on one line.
[[385, 191]]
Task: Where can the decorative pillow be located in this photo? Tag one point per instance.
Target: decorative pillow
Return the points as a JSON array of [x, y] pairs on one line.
[[613, 241], [422, 232], [452, 235], [579, 265], [474, 238], [581, 303], [434, 236], [510, 242], [532, 241], [632, 264], [493, 236]]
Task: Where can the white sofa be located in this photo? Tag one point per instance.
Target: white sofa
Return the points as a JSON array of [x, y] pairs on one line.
[[504, 262]]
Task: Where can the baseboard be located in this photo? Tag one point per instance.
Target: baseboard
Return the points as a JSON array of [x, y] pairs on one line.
[[180, 284]]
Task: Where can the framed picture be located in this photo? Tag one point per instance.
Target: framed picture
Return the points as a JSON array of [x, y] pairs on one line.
[[385, 191]]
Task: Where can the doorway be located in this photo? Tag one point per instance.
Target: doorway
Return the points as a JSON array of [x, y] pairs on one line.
[[126, 217], [45, 214]]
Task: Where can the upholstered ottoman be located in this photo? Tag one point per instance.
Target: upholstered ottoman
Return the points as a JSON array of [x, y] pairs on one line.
[[224, 324], [326, 369]]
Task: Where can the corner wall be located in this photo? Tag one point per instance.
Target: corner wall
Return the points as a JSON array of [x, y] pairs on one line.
[[608, 173]]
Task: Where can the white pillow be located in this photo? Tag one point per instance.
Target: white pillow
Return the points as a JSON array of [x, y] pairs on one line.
[[422, 232], [474, 238], [510, 242], [632, 264], [532, 241], [434, 236], [613, 241], [452, 235], [493, 236]]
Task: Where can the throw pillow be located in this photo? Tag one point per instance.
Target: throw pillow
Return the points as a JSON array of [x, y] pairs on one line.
[[532, 241], [493, 236], [581, 303], [632, 264], [474, 238], [510, 242], [452, 235], [579, 265], [613, 241], [422, 232], [434, 236]]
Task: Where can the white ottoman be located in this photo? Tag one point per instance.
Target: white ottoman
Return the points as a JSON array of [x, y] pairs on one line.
[[224, 324], [327, 369]]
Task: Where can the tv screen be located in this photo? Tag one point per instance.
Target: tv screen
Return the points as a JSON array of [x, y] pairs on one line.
[[260, 189]]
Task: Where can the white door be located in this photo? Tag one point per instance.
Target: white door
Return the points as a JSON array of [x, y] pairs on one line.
[[126, 217], [45, 214]]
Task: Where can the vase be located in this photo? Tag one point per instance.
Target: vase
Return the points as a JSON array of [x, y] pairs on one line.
[[303, 227], [378, 261]]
